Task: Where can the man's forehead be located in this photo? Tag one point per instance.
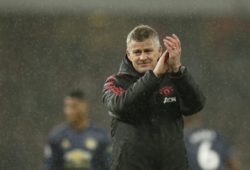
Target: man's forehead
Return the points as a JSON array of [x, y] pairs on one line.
[[148, 43]]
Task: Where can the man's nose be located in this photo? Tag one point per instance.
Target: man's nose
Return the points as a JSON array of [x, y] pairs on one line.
[[143, 56]]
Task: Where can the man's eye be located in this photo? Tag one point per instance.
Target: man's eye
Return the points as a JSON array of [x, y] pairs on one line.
[[148, 51], [137, 52]]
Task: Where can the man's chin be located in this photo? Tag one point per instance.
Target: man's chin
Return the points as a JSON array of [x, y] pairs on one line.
[[144, 70]]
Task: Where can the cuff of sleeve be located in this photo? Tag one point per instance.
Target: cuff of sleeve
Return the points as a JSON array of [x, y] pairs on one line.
[[153, 75], [181, 73], [150, 79]]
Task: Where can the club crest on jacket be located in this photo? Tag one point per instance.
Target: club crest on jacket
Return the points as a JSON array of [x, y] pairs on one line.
[[167, 91]]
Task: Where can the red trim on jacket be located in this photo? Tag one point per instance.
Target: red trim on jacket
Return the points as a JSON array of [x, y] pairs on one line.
[[111, 85]]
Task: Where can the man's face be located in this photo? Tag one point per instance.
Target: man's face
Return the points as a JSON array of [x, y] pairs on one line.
[[75, 109], [144, 55]]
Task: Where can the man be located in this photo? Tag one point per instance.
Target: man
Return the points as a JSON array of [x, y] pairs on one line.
[[147, 99], [76, 145], [206, 148]]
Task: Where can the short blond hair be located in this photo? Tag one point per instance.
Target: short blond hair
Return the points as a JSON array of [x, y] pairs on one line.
[[141, 33]]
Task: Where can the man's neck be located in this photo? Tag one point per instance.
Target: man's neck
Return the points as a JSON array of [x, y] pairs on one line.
[[80, 124]]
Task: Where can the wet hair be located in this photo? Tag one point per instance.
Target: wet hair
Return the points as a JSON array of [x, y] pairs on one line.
[[141, 33], [78, 94]]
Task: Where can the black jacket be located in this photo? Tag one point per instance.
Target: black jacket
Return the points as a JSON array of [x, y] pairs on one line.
[[137, 98]]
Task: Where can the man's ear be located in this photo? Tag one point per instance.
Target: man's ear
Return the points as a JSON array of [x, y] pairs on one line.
[[86, 106], [128, 54]]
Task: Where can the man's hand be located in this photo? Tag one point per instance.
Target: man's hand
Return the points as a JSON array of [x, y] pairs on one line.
[[161, 66], [173, 46]]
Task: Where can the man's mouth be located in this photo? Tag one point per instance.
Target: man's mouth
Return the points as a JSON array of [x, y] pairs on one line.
[[144, 64]]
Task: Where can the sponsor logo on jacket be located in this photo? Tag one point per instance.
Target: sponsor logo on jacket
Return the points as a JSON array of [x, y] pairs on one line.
[[169, 100]]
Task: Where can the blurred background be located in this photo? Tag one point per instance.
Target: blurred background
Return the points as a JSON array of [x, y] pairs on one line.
[[49, 47]]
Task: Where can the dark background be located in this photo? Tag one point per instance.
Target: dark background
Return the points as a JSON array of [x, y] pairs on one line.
[[44, 56]]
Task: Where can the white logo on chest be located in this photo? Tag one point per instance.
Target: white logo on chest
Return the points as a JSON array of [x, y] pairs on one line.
[[169, 100]]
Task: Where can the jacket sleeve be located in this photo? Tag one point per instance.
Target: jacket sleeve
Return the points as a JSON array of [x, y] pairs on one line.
[[192, 99], [120, 101]]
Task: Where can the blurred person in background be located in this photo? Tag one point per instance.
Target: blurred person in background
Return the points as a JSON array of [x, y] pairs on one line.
[[206, 148], [147, 99], [75, 144]]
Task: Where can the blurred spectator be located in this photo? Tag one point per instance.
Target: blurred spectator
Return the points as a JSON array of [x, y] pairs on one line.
[[76, 144], [206, 148]]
